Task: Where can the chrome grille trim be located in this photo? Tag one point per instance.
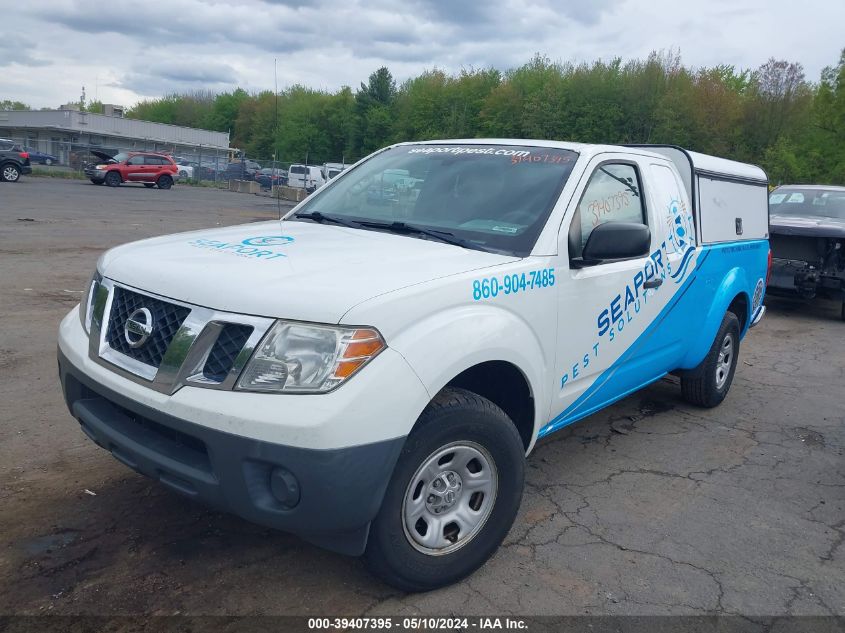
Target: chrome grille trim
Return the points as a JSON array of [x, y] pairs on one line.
[[184, 360]]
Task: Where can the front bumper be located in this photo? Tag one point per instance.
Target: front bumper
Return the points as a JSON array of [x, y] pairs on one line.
[[806, 280], [95, 174], [327, 497], [313, 465]]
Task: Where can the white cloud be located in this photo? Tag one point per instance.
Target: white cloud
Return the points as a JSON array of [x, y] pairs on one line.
[[121, 55]]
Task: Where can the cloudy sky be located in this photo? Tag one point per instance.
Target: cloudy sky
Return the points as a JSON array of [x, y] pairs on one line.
[[123, 51]]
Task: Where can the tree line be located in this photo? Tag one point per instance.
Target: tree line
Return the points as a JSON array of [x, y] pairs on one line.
[[773, 116]]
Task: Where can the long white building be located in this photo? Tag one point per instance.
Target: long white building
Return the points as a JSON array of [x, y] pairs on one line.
[[67, 132]]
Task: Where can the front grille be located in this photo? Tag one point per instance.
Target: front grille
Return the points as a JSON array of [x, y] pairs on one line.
[[231, 341], [167, 319]]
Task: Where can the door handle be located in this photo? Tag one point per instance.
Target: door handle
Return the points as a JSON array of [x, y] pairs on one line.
[[653, 283]]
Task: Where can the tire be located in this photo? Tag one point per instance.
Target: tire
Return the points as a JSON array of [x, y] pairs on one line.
[[709, 383], [183, 174], [113, 179], [48, 162], [164, 182], [481, 439], [10, 172], [149, 185]]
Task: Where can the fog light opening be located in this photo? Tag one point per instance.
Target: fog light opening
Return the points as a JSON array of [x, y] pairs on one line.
[[285, 487]]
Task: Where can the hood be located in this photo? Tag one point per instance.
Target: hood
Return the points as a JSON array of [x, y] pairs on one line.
[[293, 270], [811, 226], [106, 158]]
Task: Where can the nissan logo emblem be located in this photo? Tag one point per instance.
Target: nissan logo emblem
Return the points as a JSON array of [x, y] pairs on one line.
[[138, 327]]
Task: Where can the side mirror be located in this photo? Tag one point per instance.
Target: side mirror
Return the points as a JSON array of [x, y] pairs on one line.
[[614, 241]]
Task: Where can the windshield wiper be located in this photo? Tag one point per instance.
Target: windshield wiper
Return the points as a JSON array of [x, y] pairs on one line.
[[443, 236], [623, 181], [319, 217]]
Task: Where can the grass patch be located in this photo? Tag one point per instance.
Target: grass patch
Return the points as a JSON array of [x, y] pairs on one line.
[[205, 183], [46, 172]]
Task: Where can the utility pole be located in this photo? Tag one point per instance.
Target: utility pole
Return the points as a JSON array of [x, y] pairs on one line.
[[276, 139]]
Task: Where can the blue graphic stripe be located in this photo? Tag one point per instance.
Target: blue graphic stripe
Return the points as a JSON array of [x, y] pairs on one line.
[[571, 413], [684, 263]]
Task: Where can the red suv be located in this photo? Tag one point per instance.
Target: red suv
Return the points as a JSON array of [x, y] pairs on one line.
[[148, 168]]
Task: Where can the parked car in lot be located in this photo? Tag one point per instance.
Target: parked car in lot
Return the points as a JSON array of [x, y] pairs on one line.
[[14, 161], [186, 169], [371, 376], [808, 241], [330, 170], [241, 170], [269, 177], [41, 158], [308, 177], [149, 168]]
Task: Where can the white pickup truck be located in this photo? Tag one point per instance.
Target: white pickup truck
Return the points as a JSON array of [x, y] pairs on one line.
[[370, 372]]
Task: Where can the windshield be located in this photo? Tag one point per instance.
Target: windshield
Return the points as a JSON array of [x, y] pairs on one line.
[[826, 203], [119, 158], [492, 197]]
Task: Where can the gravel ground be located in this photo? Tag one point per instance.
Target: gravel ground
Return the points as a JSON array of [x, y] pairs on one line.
[[649, 507]]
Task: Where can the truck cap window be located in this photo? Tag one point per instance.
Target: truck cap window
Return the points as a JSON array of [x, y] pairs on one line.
[[487, 197]]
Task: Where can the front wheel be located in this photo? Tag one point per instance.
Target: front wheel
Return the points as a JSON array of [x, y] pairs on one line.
[[10, 173], [708, 384], [453, 496], [165, 182], [113, 179]]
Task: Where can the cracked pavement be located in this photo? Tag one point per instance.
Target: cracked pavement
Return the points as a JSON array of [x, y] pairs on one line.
[[649, 507]]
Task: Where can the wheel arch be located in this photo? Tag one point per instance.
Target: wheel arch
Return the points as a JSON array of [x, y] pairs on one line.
[[741, 307], [505, 385], [731, 295], [506, 365]]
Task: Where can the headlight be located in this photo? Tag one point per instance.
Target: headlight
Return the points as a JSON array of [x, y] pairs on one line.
[[101, 167], [304, 358], [86, 305]]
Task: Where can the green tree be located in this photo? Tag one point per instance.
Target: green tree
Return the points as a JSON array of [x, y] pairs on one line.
[[8, 104], [824, 150], [372, 107], [772, 116]]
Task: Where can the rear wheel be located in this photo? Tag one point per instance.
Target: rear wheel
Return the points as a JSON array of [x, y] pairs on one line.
[[708, 384], [164, 182], [113, 179], [453, 496], [183, 174], [10, 173]]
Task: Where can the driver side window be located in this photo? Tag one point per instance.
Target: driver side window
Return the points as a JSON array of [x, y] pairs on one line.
[[613, 194]]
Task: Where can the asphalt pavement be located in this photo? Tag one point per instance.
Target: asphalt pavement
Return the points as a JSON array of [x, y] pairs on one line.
[[650, 507]]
